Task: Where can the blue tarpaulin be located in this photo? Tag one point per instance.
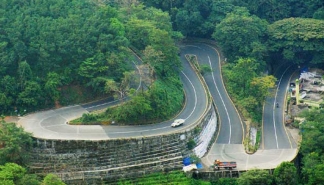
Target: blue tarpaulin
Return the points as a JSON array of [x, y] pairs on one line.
[[304, 69], [186, 161], [199, 166]]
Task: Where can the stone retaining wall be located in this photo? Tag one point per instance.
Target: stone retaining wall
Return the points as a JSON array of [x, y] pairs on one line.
[[90, 162]]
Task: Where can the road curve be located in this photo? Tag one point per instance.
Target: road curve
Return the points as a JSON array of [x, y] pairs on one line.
[[228, 146], [51, 124], [274, 132]]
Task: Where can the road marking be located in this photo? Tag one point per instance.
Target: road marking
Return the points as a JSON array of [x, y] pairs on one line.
[[221, 76], [285, 101], [229, 119], [274, 107], [193, 87], [103, 104], [190, 46]]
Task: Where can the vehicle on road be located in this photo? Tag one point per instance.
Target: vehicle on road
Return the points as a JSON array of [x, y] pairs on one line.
[[277, 104], [177, 122], [226, 165]]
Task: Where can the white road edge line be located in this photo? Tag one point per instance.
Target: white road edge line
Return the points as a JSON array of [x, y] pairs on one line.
[[274, 106], [193, 110], [229, 119]]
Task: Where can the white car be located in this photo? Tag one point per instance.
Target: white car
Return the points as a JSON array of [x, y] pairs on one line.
[[177, 122]]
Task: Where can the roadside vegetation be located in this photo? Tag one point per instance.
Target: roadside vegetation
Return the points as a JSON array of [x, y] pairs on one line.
[[284, 174], [56, 53], [72, 52], [15, 148], [254, 38]]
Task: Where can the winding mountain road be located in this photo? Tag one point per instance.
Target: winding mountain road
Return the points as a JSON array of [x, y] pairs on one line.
[[277, 145]]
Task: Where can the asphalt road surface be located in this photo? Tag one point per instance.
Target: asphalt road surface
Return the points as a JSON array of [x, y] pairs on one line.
[[276, 147], [52, 124]]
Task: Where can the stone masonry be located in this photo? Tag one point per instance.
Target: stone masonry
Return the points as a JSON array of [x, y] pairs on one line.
[[93, 162]]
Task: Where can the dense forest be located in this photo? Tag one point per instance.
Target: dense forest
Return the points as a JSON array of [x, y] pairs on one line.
[[56, 53], [60, 53]]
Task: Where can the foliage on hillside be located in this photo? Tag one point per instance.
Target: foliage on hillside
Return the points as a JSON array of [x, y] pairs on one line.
[[13, 174], [56, 51], [298, 39], [248, 89], [15, 144], [45, 45], [198, 18], [312, 147], [174, 178], [240, 34]]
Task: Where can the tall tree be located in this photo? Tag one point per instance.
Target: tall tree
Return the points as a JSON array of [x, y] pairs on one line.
[[52, 84], [122, 88], [241, 35], [260, 87], [253, 177], [241, 80], [10, 173], [285, 174], [25, 73], [191, 18], [298, 39], [15, 144], [52, 179]]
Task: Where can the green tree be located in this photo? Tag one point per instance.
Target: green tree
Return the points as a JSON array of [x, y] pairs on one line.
[[134, 111], [30, 96], [120, 88], [297, 39], [138, 31], [313, 169], [8, 90], [152, 58], [319, 14], [15, 144], [225, 181], [52, 179], [161, 41], [312, 147], [253, 177], [191, 18], [219, 9], [260, 87], [30, 179], [285, 174], [10, 173], [241, 80], [52, 84], [271, 10], [25, 73], [88, 68], [56, 38], [240, 33], [313, 132]]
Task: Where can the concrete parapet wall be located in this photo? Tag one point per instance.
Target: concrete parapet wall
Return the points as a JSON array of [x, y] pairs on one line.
[[76, 161]]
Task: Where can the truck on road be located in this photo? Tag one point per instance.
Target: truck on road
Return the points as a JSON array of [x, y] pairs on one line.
[[225, 165]]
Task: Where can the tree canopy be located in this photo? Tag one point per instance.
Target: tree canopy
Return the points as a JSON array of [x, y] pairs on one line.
[[15, 144], [47, 48], [13, 174], [240, 34], [298, 39]]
